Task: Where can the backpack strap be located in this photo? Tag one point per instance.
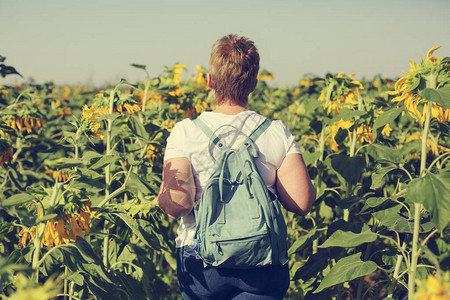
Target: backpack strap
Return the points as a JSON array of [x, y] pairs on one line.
[[254, 136], [205, 129], [213, 138], [259, 130]]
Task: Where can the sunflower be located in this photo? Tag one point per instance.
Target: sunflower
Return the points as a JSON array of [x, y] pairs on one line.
[[60, 230], [340, 91], [265, 75], [130, 108], [201, 106], [200, 79], [175, 107], [435, 148], [90, 116], [408, 87], [434, 288], [65, 111], [66, 93], [152, 152], [151, 95], [168, 124], [307, 83], [25, 123], [177, 69], [62, 176], [364, 134], [176, 92], [386, 130]]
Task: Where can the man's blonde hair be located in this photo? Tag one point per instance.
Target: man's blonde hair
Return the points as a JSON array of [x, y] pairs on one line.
[[234, 66]]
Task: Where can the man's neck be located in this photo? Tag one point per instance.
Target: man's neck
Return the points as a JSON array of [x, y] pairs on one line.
[[229, 109]]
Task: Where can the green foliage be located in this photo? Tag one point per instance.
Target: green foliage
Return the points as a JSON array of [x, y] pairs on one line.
[[432, 191], [347, 269], [367, 185]]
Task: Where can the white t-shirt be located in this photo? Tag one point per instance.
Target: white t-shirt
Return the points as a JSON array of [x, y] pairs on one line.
[[188, 140]]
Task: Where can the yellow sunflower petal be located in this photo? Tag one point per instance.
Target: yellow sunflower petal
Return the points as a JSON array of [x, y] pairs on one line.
[[386, 130], [430, 52], [434, 286]]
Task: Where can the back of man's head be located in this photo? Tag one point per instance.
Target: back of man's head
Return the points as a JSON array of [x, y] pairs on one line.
[[234, 66]]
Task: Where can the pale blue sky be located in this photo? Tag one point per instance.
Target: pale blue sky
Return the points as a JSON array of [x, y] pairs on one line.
[[94, 41]]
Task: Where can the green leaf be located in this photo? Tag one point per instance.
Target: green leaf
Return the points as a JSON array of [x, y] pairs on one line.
[[310, 158], [89, 180], [347, 269], [88, 155], [63, 162], [17, 199], [341, 135], [375, 202], [392, 219], [347, 114], [411, 147], [86, 251], [340, 224], [415, 83], [377, 179], [386, 118], [433, 190], [137, 127], [348, 167], [133, 225], [8, 70], [77, 278], [103, 161], [139, 184], [170, 260], [143, 67], [381, 152], [316, 124], [347, 239], [313, 266], [444, 92], [303, 241], [46, 218], [440, 96], [107, 117]]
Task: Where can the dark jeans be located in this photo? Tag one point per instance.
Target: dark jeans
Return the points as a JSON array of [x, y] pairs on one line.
[[198, 282]]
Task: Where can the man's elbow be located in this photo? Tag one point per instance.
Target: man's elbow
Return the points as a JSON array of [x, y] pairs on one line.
[[173, 209], [176, 214], [304, 209]]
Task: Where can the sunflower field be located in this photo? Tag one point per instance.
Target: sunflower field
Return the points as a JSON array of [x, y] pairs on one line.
[[80, 170]]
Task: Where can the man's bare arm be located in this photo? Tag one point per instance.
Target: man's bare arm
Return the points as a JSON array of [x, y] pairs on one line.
[[177, 192], [294, 187]]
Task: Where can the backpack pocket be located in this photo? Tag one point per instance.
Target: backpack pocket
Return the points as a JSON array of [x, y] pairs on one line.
[[242, 251]]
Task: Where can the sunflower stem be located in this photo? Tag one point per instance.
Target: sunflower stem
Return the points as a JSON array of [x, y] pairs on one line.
[[108, 174], [19, 149], [40, 233], [72, 285], [431, 83], [65, 282], [144, 101]]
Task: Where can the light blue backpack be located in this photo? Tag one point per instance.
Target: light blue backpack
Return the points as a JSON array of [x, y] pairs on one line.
[[239, 223]]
